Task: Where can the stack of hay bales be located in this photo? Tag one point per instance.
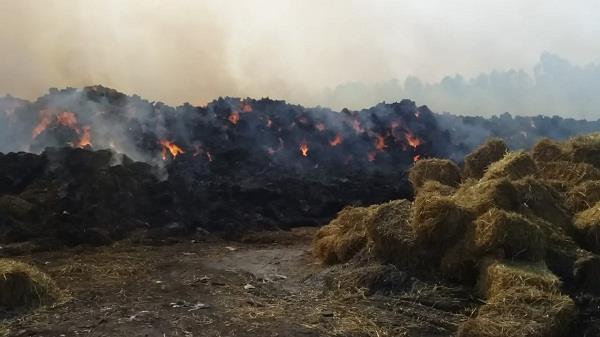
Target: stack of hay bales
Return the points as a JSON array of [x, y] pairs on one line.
[[521, 211], [24, 287]]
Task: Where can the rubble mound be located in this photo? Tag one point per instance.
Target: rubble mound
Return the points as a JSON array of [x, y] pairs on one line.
[[25, 287], [527, 247]]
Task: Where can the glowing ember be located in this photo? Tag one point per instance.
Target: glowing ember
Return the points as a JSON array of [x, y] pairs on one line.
[[417, 157], [304, 149], [86, 138], [171, 147], [246, 107], [412, 140], [336, 141], [42, 123], [234, 117], [380, 143], [320, 127], [67, 119]]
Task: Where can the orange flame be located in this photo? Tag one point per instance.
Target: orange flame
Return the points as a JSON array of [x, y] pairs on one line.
[[412, 140], [67, 118], [336, 141], [42, 124], [304, 149], [171, 147], [86, 138], [234, 117], [417, 157], [380, 143]]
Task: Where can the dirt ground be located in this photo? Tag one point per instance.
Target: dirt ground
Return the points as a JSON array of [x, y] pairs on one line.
[[266, 284]]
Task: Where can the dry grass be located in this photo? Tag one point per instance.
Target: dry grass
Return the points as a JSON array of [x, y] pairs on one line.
[[435, 187], [522, 300], [477, 162], [391, 233], [479, 197], [587, 224], [507, 235], [568, 172], [524, 312], [498, 276], [344, 236], [546, 150], [438, 221], [23, 286], [441, 170], [585, 149], [542, 200], [583, 196], [514, 165]]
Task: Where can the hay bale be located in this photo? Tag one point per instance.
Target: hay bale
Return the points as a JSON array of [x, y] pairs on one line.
[[583, 196], [25, 287], [477, 162], [546, 150], [438, 220], [587, 224], [542, 200], [525, 312], [435, 187], [497, 277], [585, 149], [507, 235], [344, 236], [522, 300], [440, 170], [481, 196], [392, 234], [568, 172], [514, 165]]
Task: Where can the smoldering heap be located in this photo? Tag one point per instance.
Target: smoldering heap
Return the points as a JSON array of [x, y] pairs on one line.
[[520, 227], [92, 165]]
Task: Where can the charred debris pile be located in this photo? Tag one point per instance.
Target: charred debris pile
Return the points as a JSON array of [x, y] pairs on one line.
[[520, 228], [93, 165]]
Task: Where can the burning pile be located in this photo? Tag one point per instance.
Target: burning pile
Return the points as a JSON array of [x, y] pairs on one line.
[[521, 226], [233, 163]]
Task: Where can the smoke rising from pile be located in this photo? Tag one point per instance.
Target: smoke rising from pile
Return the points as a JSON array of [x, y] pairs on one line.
[[181, 50]]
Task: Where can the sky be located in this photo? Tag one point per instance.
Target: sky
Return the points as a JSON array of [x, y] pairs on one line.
[[333, 53]]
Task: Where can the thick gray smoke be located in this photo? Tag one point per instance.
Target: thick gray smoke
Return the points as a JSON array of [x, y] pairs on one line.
[[554, 86]]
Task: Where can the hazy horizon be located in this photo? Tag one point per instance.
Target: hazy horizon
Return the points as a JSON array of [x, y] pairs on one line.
[[466, 57]]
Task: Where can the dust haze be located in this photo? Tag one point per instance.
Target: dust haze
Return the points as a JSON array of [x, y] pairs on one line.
[[511, 56]]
